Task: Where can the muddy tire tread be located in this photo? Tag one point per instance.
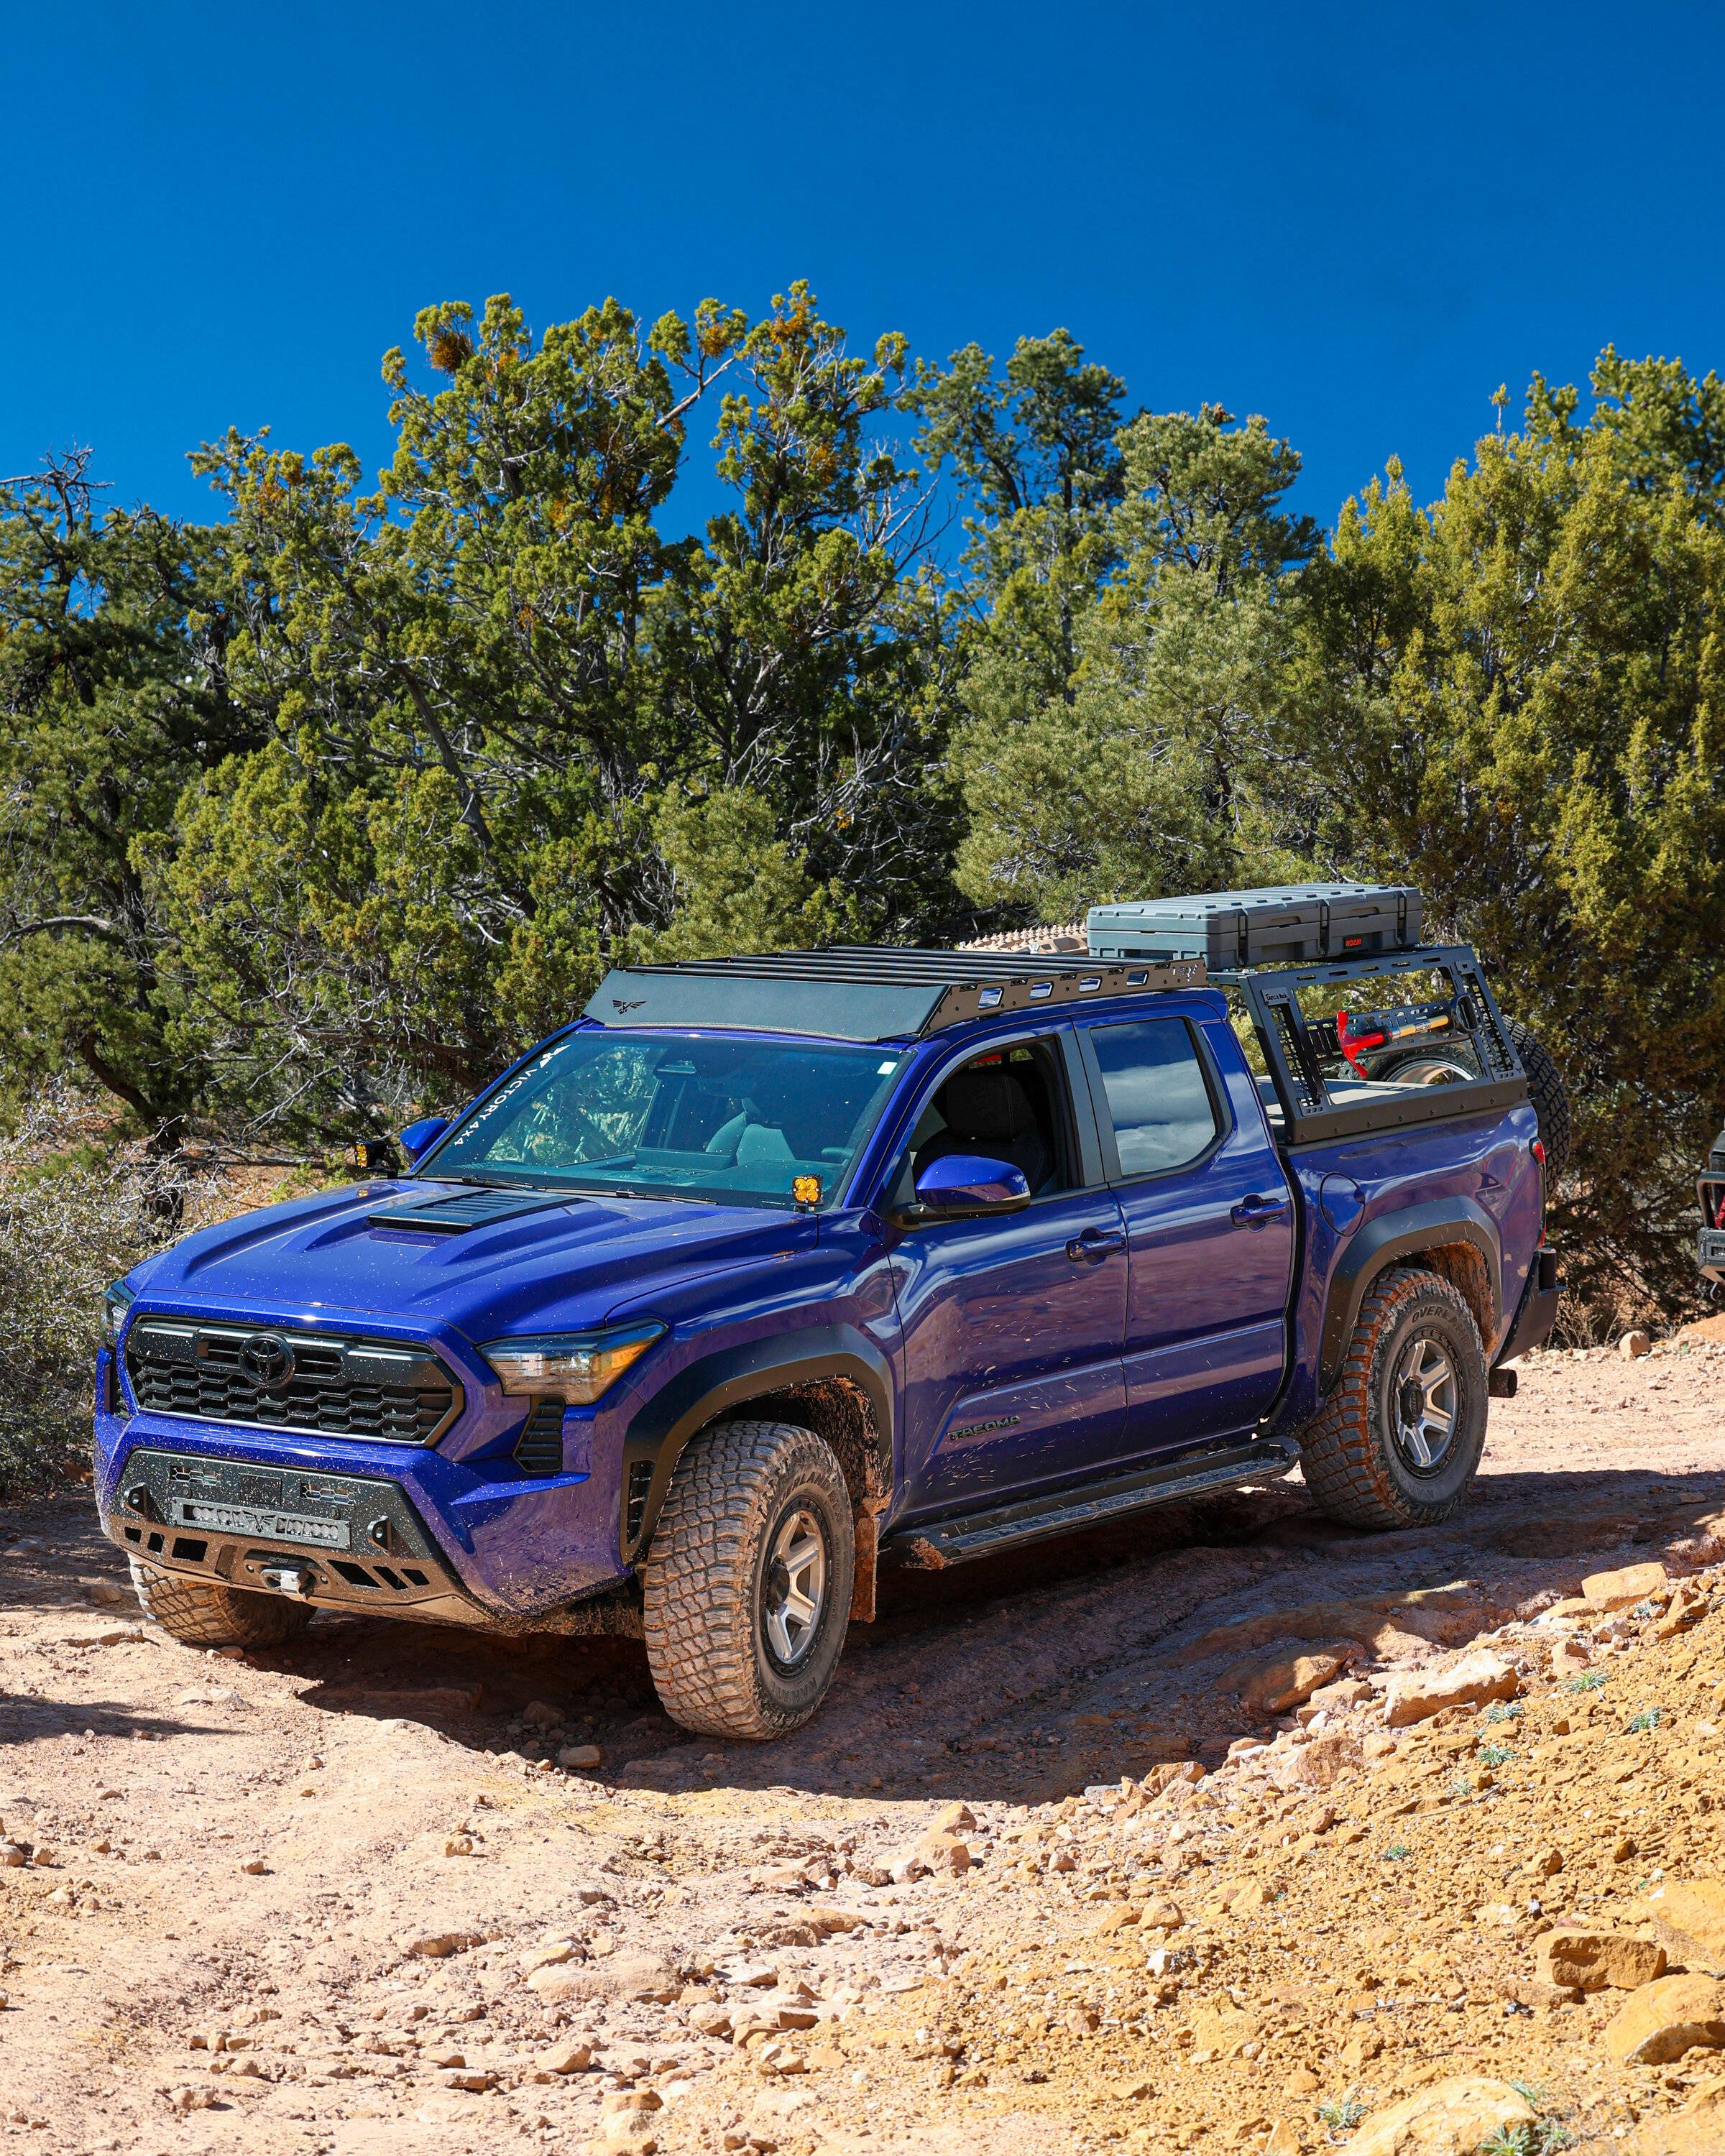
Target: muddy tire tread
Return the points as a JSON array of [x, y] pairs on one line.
[[697, 1618], [1339, 1458], [200, 1615]]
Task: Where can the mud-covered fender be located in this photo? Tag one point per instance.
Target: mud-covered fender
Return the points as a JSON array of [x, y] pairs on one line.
[[1406, 1233], [728, 1379]]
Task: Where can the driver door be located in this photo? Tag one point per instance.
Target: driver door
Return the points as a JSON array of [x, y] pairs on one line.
[[1012, 1326]]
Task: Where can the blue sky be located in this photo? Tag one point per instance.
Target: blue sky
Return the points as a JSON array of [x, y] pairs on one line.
[[1356, 219]]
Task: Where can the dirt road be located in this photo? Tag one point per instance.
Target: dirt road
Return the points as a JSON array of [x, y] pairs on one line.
[[320, 1900]]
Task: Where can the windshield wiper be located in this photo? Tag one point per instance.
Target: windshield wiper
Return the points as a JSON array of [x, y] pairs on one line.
[[651, 1190]]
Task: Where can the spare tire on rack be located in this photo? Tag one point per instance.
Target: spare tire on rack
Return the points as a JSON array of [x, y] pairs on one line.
[[1549, 1095]]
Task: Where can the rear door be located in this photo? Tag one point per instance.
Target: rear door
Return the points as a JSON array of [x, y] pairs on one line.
[[1012, 1326], [1210, 1222]]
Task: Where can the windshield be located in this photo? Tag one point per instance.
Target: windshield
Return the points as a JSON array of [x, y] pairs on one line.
[[737, 1123]]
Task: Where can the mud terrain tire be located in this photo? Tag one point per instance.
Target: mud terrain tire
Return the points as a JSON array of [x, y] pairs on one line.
[[1415, 1356], [199, 1616], [756, 1530], [1549, 1095]]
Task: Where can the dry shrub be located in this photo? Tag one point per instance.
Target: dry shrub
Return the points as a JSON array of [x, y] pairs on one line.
[[75, 1212]]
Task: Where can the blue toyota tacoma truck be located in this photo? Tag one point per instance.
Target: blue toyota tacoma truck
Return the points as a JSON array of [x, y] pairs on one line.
[[765, 1271]]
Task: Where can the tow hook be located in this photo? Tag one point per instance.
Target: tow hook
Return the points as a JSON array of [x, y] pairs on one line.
[[289, 1578]]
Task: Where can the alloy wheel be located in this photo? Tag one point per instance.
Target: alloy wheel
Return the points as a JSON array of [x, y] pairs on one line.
[[796, 1587], [1423, 1405]]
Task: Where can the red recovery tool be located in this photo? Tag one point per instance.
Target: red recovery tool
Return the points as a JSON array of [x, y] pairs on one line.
[[1358, 1032]]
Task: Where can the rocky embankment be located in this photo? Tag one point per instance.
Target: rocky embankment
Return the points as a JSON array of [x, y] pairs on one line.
[[1230, 1831]]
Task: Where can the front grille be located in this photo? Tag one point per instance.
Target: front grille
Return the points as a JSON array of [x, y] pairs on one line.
[[539, 1448], [335, 1387]]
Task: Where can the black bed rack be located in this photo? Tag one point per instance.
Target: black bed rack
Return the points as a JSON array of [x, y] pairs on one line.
[[1316, 1116], [872, 991]]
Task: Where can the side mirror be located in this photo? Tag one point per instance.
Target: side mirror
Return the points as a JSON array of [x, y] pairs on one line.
[[967, 1186], [420, 1137]]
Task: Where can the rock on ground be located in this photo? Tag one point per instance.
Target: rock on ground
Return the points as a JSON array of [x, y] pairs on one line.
[[1662, 2021], [1451, 2118], [1474, 1680]]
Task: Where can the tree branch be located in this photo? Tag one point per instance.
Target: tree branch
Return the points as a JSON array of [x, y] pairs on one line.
[[91, 924]]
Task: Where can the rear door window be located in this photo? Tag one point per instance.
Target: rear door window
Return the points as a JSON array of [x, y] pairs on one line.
[[1155, 1094]]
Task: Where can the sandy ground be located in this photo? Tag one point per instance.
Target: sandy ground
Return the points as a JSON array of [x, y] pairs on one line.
[[326, 1899]]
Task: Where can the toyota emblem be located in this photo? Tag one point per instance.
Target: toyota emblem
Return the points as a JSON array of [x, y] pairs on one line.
[[267, 1360]]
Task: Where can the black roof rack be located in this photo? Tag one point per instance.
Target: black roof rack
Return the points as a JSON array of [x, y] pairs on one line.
[[871, 991]]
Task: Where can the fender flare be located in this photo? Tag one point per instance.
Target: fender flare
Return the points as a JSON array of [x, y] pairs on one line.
[[729, 1378], [1403, 1234]]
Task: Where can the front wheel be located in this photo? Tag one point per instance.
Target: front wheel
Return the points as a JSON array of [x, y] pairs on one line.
[[1398, 1442], [199, 1616], [747, 1587]]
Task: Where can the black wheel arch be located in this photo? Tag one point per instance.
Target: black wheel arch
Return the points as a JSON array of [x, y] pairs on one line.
[[829, 1378], [1456, 1237]]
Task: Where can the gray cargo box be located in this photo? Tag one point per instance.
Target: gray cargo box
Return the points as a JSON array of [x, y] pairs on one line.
[[1294, 924]]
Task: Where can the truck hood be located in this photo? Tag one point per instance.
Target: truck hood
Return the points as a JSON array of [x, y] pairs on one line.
[[561, 1268]]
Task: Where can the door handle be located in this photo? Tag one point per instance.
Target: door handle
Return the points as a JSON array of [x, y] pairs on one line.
[[1094, 1244], [1252, 1212]]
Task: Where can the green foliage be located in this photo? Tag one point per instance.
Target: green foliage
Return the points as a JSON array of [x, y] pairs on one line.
[[1528, 678], [736, 884], [1341, 2114], [315, 813], [323, 812], [113, 677], [1542, 2137], [1648, 1719], [1125, 686]]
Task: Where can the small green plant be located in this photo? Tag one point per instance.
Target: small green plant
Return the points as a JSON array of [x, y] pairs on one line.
[[1397, 1853], [1642, 1611], [1544, 2137], [1495, 1755], [1648, 1719], [1588, 1681], [1503, 1709], [1341, 2114]]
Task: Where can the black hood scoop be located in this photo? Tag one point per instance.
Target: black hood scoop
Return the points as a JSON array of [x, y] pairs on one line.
[[473, 1209]]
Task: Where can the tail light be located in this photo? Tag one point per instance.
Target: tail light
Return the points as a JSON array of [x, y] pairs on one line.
[[1538, 1150]]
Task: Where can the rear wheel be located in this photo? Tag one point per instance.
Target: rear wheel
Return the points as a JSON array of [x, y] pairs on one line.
[[1397, 1443], [747, 1588], [202, 1615]]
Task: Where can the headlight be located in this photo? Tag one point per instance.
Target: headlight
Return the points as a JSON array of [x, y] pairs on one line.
[[575, 1366], [116, 1299]]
